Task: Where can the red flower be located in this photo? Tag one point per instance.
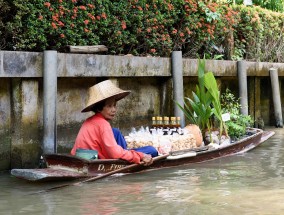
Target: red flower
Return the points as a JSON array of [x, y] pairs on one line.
[[104, 15], [61, 24], [55, 18], [86, 30], [86, 22], [90, 6], [152, 50], [62, 35], [123, 25], [82, 7], [40, 17], [47, 4], [53, 25], [91, 16]]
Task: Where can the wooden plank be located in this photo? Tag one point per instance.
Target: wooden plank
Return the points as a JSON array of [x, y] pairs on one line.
[[46, 174], [88, 49]]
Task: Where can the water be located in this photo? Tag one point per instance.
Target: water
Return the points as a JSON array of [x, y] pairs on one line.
[[251, 183]]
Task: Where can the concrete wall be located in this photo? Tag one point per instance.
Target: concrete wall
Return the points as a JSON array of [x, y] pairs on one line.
[[149, 79]]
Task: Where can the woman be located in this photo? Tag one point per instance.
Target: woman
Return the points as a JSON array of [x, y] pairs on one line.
[[96, 132]]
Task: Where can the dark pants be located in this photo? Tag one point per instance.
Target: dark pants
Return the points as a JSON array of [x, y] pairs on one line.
[[121, 141]]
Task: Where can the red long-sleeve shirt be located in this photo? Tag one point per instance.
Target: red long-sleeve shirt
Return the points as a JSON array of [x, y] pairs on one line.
[[96, 133]]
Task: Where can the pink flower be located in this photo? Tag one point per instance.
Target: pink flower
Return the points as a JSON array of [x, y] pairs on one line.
[[53, 25], [82, 7], [123, 25], [104, 16], [86, 22], [47, 4]]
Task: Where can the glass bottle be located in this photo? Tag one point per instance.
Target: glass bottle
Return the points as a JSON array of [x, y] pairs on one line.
[[159, 122], [154, 122], [173, 121], [178, 122], [166, 122]]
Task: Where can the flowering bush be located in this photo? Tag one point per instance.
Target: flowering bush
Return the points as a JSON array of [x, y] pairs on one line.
[[259, 34], [147, 27]]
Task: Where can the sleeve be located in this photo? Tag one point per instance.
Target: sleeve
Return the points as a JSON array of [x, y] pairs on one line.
[[117, 152]]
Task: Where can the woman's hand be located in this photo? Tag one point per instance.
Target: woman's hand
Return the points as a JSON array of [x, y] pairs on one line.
[[147, 160]]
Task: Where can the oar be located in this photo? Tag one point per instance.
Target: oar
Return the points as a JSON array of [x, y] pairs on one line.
[[102, 176]]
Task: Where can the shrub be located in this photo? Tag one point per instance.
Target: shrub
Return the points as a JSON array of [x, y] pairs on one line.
[[4, 17], [146, 27], [238, 123]]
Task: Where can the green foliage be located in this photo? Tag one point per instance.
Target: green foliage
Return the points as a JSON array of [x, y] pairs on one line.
[[274, 5], [145, 27], [259, 34], [205, 102], [198, 110], [238, 123], [4, 11], [212, 87]]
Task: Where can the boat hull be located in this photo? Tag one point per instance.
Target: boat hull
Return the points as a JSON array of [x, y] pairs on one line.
[[65, 167]]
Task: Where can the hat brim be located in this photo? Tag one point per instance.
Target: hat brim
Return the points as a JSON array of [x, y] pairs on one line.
[[117, 97]]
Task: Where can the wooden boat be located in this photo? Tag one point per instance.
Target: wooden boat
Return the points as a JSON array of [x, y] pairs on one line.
[[66, 167]]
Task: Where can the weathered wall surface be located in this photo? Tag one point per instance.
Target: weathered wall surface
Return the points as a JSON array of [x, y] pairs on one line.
[[149, 79]]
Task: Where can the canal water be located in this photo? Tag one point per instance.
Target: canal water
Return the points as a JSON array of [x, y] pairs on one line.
[[252, 183]]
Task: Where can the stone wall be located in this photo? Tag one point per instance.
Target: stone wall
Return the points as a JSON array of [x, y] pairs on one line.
[[149, 79]]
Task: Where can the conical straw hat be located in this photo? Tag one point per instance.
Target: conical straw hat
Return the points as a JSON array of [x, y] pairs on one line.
[[101, 91]]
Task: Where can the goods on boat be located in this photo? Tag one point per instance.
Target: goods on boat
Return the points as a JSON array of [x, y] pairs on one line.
[[164, 143], [196, 132], [66, 167]]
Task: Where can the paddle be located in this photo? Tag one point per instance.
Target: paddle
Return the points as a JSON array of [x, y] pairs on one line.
[[101, 176]]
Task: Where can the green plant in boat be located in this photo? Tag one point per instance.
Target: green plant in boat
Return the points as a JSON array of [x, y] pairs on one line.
[[212, 87], [238, 122], [205, 102], [198, 109]]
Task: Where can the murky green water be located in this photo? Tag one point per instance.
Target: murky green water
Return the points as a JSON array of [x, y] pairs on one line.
[[252, 183]]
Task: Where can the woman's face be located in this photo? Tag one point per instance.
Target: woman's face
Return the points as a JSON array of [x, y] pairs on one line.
[[109, 110]]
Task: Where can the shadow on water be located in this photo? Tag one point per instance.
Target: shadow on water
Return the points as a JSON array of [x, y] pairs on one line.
[[251, 183]]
